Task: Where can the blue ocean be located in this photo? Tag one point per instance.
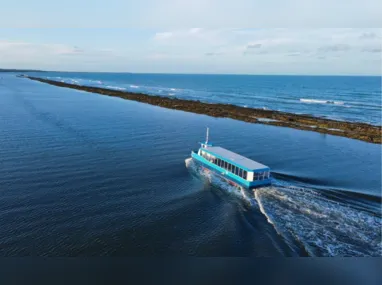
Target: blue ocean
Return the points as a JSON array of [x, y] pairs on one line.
[[347, 98], [83, 174]]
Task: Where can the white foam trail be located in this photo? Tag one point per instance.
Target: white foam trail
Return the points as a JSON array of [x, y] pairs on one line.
[[217, 181], [134, 86], [261, 207], [324, 227]]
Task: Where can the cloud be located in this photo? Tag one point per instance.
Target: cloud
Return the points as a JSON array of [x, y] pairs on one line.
[[373, 49], [195, 30], [213, 53], [70, 51], [368, 36], [251, 46], [188, 50], [294, 54], [18, 54], [191, 37], [163, 36], [334, 48]]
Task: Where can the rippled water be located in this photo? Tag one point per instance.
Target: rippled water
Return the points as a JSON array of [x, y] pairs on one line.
[[348, 98], [84, 174]]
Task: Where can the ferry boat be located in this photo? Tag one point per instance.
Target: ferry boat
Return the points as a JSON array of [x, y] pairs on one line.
[[237, 170]]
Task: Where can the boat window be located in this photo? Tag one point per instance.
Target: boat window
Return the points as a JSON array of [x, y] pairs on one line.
[[240, 172], [245, 175]]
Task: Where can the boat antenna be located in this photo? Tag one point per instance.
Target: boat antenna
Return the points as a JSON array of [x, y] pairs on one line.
[[208, 130]]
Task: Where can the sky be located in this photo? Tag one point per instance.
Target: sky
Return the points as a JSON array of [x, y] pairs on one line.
[[152, 36]]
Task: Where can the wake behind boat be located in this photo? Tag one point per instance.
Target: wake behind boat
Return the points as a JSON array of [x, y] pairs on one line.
[[237, 170]]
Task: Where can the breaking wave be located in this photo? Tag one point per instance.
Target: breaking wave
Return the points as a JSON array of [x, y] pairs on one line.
[[303, 215], [115, 87], [316, 101]]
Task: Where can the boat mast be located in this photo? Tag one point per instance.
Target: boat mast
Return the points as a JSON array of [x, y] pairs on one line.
[[208, 129]]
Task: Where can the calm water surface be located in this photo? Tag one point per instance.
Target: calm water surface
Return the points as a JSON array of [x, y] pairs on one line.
[[83, 174]]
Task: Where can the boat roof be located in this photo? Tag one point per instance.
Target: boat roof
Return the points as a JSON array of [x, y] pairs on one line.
[[237, 159]]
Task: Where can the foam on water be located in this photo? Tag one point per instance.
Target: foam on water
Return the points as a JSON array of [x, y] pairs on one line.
[[115, 87], [217, 181], [322, 226], [317, 101]]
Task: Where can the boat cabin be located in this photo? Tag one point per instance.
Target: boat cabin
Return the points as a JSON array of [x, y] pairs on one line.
[[233, 166]]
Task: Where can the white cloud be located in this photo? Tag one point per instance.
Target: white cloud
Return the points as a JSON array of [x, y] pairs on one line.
[[195, 30], [163, 36], [18, 54], [310, 51]]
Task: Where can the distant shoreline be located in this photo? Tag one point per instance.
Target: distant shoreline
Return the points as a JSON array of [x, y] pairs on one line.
[[20, 70], [354, 130]]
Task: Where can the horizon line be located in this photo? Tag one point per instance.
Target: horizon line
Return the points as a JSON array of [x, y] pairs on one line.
[[188, 73]]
